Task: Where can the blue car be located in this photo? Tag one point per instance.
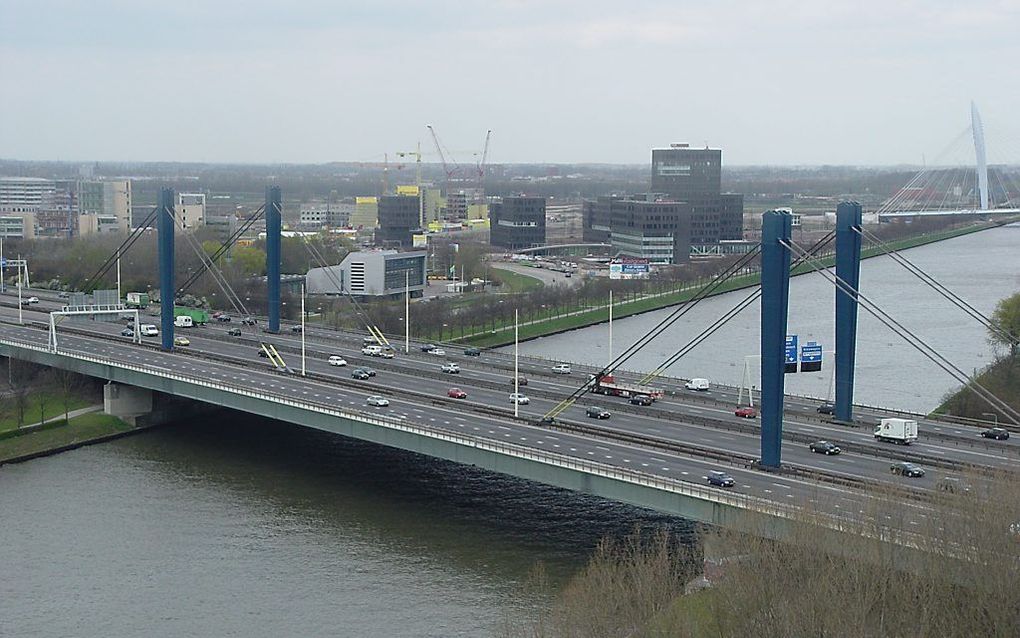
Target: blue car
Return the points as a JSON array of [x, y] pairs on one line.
[[722, 479]]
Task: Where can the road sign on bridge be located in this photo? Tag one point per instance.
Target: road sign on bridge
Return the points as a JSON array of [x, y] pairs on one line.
[[791, 354], [811, 357]]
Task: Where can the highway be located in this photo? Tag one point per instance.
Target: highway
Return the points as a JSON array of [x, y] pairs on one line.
[[418, 374]]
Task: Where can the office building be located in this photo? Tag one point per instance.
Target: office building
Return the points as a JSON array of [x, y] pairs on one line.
[[189, 211], [517, 222], [371, 274], [17, 225], [595, 219], [106, 199], [366, 213], [399, 219], [651, 228]]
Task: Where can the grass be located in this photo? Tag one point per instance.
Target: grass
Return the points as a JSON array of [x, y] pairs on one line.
[[53, 406], [516, 282], [79, 429]]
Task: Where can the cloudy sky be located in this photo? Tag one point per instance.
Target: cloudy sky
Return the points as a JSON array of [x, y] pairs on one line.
[[777, 82]]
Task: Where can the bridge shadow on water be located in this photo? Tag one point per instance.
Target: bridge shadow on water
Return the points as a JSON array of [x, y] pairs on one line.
[[411, 504]]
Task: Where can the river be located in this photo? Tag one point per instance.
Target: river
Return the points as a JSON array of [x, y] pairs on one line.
[[982, 268]]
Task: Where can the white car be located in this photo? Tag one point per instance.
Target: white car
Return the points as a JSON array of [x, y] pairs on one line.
[[337, 361], [386, 354], [519, 399], [32, 300], [561, 369], [372, 351], [451, 368], [378, 401], [439, 352]]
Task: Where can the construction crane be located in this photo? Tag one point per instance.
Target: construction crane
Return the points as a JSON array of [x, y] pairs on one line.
[[485, 157], [449, 170]]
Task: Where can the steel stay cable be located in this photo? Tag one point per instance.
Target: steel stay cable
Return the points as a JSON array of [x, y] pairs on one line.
[[659, 328], [223, 248], [727, 316], [916, 342], [936, 285], [112, 259]]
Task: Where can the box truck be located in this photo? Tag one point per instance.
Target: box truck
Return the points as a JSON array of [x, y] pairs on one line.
[[902, 431], [137, 300]]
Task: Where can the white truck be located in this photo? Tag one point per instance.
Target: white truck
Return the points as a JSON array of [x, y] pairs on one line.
[[148, 330], [901, 431], [184, 321]]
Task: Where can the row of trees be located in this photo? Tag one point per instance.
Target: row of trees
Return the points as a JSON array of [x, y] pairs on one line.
[[30, 390]]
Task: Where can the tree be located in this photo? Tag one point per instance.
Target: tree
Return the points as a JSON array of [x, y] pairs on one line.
[[1007, 319]]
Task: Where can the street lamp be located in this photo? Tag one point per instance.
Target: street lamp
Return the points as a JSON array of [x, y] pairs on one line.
[[995, 417]]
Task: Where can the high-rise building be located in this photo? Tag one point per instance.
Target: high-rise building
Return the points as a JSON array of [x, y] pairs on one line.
[[517, 222], [190, 211], [399, 219], [109, 200], [366, 213], [650, 227], [596, 217]]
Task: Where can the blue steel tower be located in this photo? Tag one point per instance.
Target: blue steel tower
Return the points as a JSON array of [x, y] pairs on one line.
[[775, 297]]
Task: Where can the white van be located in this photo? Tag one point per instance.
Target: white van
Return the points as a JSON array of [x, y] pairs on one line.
[[148, 330], [184, 321], [697, 384], [372, 351]]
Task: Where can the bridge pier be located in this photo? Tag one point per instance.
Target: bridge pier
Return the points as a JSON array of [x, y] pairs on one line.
[[775, 297], [126, 402], [273, 212], [848, 269], [167, 294]]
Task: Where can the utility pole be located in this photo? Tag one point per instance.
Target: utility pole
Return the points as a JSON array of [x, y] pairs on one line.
[[20, 319], [118, 276], [407, 311], [610, 330], [302, 330], [2, 285], [516, 369]]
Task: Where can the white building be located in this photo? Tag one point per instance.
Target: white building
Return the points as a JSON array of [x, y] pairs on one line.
[[17, 225], [371, 273], [190, 210]]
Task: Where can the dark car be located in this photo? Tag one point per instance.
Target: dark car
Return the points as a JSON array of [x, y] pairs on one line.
[[428, 347], [369, 371], [127, 332], [472, 352], [250, 321], [746, 412], [999, 434], [824, 447], [907, 469], [521, 381], [295, 328], [63, 295], [595, 412], [722, 479], [234, 332], [360, 374], [826, 408], [223, 318], [263, 353], [641, 399]]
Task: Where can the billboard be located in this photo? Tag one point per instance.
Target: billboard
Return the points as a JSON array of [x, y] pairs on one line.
[[811, 357], [407, 190], [419, 241], [790, 350], [628, 268]]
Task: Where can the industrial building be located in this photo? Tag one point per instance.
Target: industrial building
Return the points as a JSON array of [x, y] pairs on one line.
[[399, 220], [371, 274], [517, 222]]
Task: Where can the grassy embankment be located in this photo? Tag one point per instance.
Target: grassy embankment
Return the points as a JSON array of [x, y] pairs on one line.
[[52, 405], [60, 434], [579, 318], [1001, 378]]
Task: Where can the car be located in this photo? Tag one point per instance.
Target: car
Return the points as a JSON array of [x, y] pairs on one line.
[[250, 321], [561, 369], [641, 399], [567, 275], [296, 329], [360, 374], [234, 332], [699, 385], [377, 401], [64, 295], [456, 393], [521, 381], [386, 354], [216, 315], [826, 408], [824, 447], [223, 318], [439, 352], [182, 341], [372, 351], [127, 332], [370, 371], [722, 479], [336, 360], [427, 347], [907, 469], [472, 352], [450, 368], [32, 300], [519, 399], [595, 412], [999, 434], [547, 420], [263, 353], [746, 412]]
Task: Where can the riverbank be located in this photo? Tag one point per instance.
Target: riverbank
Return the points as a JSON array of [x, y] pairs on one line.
[[585, 317], [59, 435], [1001, 378]]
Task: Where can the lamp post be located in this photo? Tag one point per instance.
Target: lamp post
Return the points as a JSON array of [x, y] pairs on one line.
[[407, 311], [302, 330], [516, 370]]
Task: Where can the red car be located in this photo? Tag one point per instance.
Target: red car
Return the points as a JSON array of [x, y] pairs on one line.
[[746, 412], [456, 393]]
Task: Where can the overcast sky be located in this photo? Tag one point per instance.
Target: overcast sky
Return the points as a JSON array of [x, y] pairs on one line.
[[770, 82]]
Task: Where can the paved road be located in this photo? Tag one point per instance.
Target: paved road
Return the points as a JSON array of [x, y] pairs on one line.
[[546, 276]]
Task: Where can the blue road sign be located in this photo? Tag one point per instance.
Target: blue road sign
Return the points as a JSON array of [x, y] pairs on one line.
[[790, 350], [811, 357]]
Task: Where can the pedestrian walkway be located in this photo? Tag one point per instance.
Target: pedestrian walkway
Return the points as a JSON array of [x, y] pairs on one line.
[[70, 415]]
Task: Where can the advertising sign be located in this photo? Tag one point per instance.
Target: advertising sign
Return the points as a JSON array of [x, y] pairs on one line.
[[629, 268], [791, 354], [419, 241], [811, 357]]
